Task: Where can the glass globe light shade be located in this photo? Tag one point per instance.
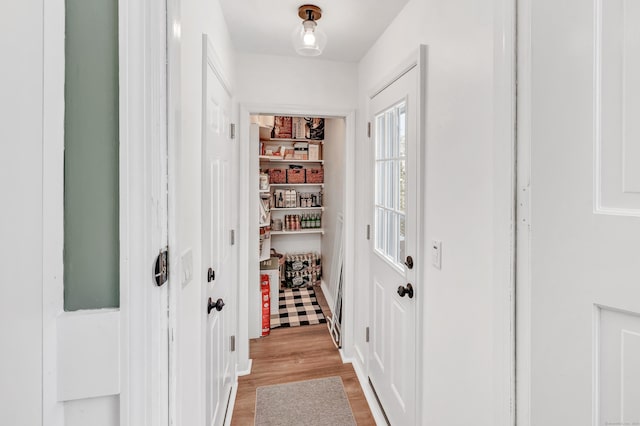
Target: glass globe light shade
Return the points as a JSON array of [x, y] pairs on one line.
[[308, 39]]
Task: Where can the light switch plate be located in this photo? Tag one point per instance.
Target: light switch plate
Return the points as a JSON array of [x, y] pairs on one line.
[[187, 266], [436, 254]]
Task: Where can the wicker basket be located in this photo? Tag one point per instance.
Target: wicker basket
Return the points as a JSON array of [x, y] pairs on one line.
[[295, 176], [315, 175], [277, 176]]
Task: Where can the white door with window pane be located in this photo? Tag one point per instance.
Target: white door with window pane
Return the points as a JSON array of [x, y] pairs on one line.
[[392, 362]]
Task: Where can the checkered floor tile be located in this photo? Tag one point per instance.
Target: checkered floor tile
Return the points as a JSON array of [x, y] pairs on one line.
[[297, 306]]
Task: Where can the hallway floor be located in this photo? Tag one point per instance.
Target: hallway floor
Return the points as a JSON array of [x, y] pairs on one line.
[[295, 354]]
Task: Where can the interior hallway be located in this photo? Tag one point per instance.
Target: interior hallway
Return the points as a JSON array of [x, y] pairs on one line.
[[295, 354]]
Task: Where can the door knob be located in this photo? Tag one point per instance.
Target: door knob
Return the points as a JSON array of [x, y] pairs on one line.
[[408, 290], [217, 306]]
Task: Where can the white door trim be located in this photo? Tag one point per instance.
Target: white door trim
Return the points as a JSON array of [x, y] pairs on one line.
[[248, 245], [52, 204], [504, 213], [142, 109], [523, 230], [174, 135]]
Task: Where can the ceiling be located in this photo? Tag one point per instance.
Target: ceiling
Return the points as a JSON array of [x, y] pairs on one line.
[[352, 26]]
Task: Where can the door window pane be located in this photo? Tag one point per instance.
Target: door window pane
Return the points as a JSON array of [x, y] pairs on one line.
[[91, 150], [390, 182]]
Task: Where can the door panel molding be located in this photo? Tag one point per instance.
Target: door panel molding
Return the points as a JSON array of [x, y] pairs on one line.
[[616, 85]]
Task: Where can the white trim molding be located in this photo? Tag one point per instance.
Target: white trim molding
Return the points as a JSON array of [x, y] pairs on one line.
[[504, 213], [248, 246], [523, 218]]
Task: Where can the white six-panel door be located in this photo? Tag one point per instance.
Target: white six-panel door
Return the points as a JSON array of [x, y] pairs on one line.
[[217, 255]]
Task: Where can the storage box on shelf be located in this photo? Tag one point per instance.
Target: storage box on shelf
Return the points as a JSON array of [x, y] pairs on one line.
[[302, 269], [277, 176], [315, 175], [296, 175]]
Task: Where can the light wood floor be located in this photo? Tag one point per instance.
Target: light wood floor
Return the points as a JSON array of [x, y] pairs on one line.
[[295, 354]]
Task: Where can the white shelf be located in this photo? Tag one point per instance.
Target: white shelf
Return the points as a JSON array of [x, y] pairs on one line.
[[269, 159], [300, 232], [264, 191], [282, 209], [276, 140], [295, 185]]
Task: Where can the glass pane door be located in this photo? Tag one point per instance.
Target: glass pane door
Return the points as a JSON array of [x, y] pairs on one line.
[[390, 183]]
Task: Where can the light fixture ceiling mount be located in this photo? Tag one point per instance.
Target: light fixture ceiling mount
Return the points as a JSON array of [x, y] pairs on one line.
[[308, 39], [306, 9]]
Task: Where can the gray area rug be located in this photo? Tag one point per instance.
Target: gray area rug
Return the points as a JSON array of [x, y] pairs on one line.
[[318, 402]]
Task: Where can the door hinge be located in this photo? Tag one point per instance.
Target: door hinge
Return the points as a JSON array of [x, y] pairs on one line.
[[369, 129], [233, 236], [523, 209], [366, 335], [368, 232], [161, 268], [232, 343], [232, 131]]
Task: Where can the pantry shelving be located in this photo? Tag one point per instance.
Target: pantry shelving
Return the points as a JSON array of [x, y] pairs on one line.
[[296, 185], [299, 232], [286, 209], [269, 159]]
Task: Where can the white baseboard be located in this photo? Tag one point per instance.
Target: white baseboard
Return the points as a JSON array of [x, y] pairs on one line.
[[327, 295], [247, 371], [232, 403], [368, 392]]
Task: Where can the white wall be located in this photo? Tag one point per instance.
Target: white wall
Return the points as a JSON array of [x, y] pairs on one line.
[[198, 17], [458, 325], [334, 178], [21, 214], [280, 80]]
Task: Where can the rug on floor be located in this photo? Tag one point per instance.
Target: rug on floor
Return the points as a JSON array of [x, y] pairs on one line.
[[318, 402], [297, 306]]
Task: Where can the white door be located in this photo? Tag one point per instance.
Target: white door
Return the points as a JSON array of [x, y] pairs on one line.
[[218, 255], [392, 362], [579, 243]]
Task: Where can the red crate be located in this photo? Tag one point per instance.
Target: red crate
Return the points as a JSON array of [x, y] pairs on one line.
[[295, 176], [315, 175], [277, 176]]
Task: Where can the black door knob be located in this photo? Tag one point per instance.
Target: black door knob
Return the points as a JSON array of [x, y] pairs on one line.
[[408, 290], [217, 306]]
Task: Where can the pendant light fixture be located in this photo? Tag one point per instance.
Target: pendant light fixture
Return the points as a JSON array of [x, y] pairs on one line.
[[308, 39]]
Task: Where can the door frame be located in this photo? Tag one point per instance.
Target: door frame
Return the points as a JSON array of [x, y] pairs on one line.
[[506, 42], [248, 245], [174, 137], [523, 203], [142, 99]]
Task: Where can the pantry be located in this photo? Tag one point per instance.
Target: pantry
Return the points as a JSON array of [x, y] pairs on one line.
[[300, 165]]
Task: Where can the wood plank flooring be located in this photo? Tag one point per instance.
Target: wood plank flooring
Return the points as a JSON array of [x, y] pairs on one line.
[[295, 354]]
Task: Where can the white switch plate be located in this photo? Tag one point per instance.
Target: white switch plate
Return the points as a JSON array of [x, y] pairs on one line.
[[187, 266], [436, 254]]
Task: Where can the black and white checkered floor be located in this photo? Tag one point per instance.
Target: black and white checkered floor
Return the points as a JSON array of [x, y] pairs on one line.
[[297, 306]]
